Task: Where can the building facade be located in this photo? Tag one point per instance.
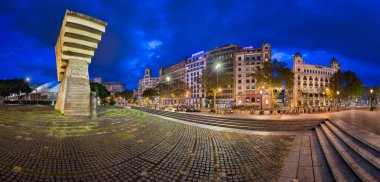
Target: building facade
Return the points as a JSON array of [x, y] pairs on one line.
[[245, 90], [195, 66], [173, 76], [311, 82], [112, 87], [237, 62], [147, 82], [225, 56]]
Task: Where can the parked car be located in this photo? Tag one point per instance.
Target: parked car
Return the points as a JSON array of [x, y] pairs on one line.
[[229, 111]]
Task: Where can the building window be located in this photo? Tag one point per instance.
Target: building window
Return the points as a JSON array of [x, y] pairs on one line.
[[239, 69], [299, 69], [247, 81], [239, 58], [239, 81]]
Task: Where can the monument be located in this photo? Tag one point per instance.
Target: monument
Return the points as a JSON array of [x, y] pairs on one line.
[[76, 44]]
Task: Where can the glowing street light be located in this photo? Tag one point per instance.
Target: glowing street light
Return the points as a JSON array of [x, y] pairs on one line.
[[27, 79], [217, 66], [371, 109], [337, 92], [261, 100]]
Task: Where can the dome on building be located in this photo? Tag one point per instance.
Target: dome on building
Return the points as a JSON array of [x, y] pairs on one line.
[[333, 60], [298, 54]]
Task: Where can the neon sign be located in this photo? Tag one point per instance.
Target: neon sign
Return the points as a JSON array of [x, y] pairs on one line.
[[197, 53]]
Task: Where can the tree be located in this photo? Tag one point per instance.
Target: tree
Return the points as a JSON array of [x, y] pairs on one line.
[[127, 94], [150, 93], [214, 79], [273, 75], [112, 101], [353, 86], [347, 83], [8, 87], [101, 91], [178, 90], [336, 82]]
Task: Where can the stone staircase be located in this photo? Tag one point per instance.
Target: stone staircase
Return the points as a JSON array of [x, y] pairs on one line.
[[238, 123], [351, 154]]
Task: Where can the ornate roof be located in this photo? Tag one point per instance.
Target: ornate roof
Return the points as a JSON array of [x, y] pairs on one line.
[[298, 54], [333, 60]]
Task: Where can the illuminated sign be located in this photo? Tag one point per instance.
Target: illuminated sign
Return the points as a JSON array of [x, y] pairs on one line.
[[248, 48], [197, 53]]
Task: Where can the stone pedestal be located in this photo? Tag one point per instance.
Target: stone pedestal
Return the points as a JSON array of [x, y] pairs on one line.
[[77, 42], [93, 104]]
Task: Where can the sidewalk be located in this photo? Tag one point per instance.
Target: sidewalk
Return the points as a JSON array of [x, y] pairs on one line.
[[368, 120], [321, 116]]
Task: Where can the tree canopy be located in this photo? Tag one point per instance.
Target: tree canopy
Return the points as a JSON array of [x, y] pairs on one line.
[[347, 83], [8, 87], [214, 78], [150, 92], [127, 94], [100, 90], [273, 75]]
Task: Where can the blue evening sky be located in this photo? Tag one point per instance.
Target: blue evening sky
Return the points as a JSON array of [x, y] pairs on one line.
[[157, 33]]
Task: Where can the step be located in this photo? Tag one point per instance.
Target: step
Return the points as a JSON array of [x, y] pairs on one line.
[[363, 135], [230, 120], [340, 170], [367, 152], [363, 169], [320, 166], [275, 125]]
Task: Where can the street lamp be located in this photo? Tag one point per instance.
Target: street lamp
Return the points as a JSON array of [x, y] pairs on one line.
[[217, 74], [168, 81], [261, 100], [27, 79], [187, 98], [217, 66], [337, 92], [371, 109], [324, 99]]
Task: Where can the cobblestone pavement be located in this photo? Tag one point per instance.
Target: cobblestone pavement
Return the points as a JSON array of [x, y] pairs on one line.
[[38, 144]]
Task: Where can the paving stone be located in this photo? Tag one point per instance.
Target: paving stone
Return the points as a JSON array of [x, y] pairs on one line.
[[129, 145]]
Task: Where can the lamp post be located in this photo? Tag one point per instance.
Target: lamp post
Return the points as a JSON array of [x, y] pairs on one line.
[[168, 81], [337, 92], [217, 85], [27, 79], [261, 100], [371, 108], [187, 98], [324, 99]]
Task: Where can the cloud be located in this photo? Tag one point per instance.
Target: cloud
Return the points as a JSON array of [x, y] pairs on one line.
[[151, 45], [156, 34]]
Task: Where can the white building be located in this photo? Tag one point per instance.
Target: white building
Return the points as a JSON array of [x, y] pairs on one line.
[[195, 66], [246, 61], [147, 82], [311, 82]]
